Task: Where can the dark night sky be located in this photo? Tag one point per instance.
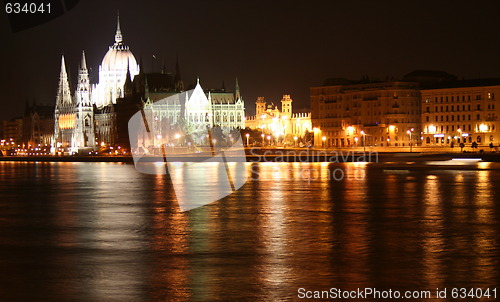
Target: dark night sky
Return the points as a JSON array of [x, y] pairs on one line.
[[273, 47]]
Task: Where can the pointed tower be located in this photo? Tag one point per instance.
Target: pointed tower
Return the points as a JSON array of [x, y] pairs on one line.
[[118, 35], [237, 95], [65, 113], [129, 86], [179, 84], [63, 91], [83, 86], [84, 135]]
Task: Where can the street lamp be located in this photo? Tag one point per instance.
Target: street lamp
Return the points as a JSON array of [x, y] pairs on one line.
[[177, 136], [262, 135], [269, 140], [247, 135], [324, 139], [295, 139], [364, 140], [409, 132]]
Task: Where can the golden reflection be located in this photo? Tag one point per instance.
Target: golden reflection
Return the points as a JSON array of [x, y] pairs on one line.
[[483, 195], [484, 165], [67, 208], [299, 190], [432, 234], [391, 192], [170, 240], [355, 229], [484, 238], [275, 268], [459, 190]]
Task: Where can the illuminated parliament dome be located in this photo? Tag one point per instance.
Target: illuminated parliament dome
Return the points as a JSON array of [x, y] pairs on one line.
[[113, 71], [118, 56]]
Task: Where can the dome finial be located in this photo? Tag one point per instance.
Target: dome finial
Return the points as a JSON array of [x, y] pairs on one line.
[[118, 35]]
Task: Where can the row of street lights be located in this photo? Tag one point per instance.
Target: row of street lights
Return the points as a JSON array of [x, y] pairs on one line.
[[410, 131], [269, 137]]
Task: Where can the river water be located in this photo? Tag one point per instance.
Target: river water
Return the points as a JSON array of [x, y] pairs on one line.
[[105, 232]]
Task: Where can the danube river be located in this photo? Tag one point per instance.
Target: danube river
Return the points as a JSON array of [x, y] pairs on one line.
[[105, 232]]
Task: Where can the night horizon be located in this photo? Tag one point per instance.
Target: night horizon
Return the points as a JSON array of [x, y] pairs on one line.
[[304, 44]]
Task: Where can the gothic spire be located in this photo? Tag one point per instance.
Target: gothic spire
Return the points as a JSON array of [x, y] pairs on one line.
[[179, 85], [82, 95], [128, 77], [63, 91], [237, 90], [118, 35], [83, 64], [63, 73]]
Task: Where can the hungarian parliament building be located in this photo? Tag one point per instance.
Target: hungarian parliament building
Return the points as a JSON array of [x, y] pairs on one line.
[[97, 115]]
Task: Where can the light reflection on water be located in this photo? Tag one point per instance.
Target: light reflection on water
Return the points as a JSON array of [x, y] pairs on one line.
[[104, 232]]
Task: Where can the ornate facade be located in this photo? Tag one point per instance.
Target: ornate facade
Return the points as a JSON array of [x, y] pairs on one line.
[[282, 125], [96, 115]]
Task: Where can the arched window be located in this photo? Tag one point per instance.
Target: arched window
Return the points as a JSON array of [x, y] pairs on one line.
[[428, 140], [479, 138]]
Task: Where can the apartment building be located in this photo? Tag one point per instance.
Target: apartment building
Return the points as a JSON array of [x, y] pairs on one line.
[[354, 114], [461, 112]]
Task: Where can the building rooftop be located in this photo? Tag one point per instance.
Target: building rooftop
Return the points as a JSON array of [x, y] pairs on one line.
[[463, 83]]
